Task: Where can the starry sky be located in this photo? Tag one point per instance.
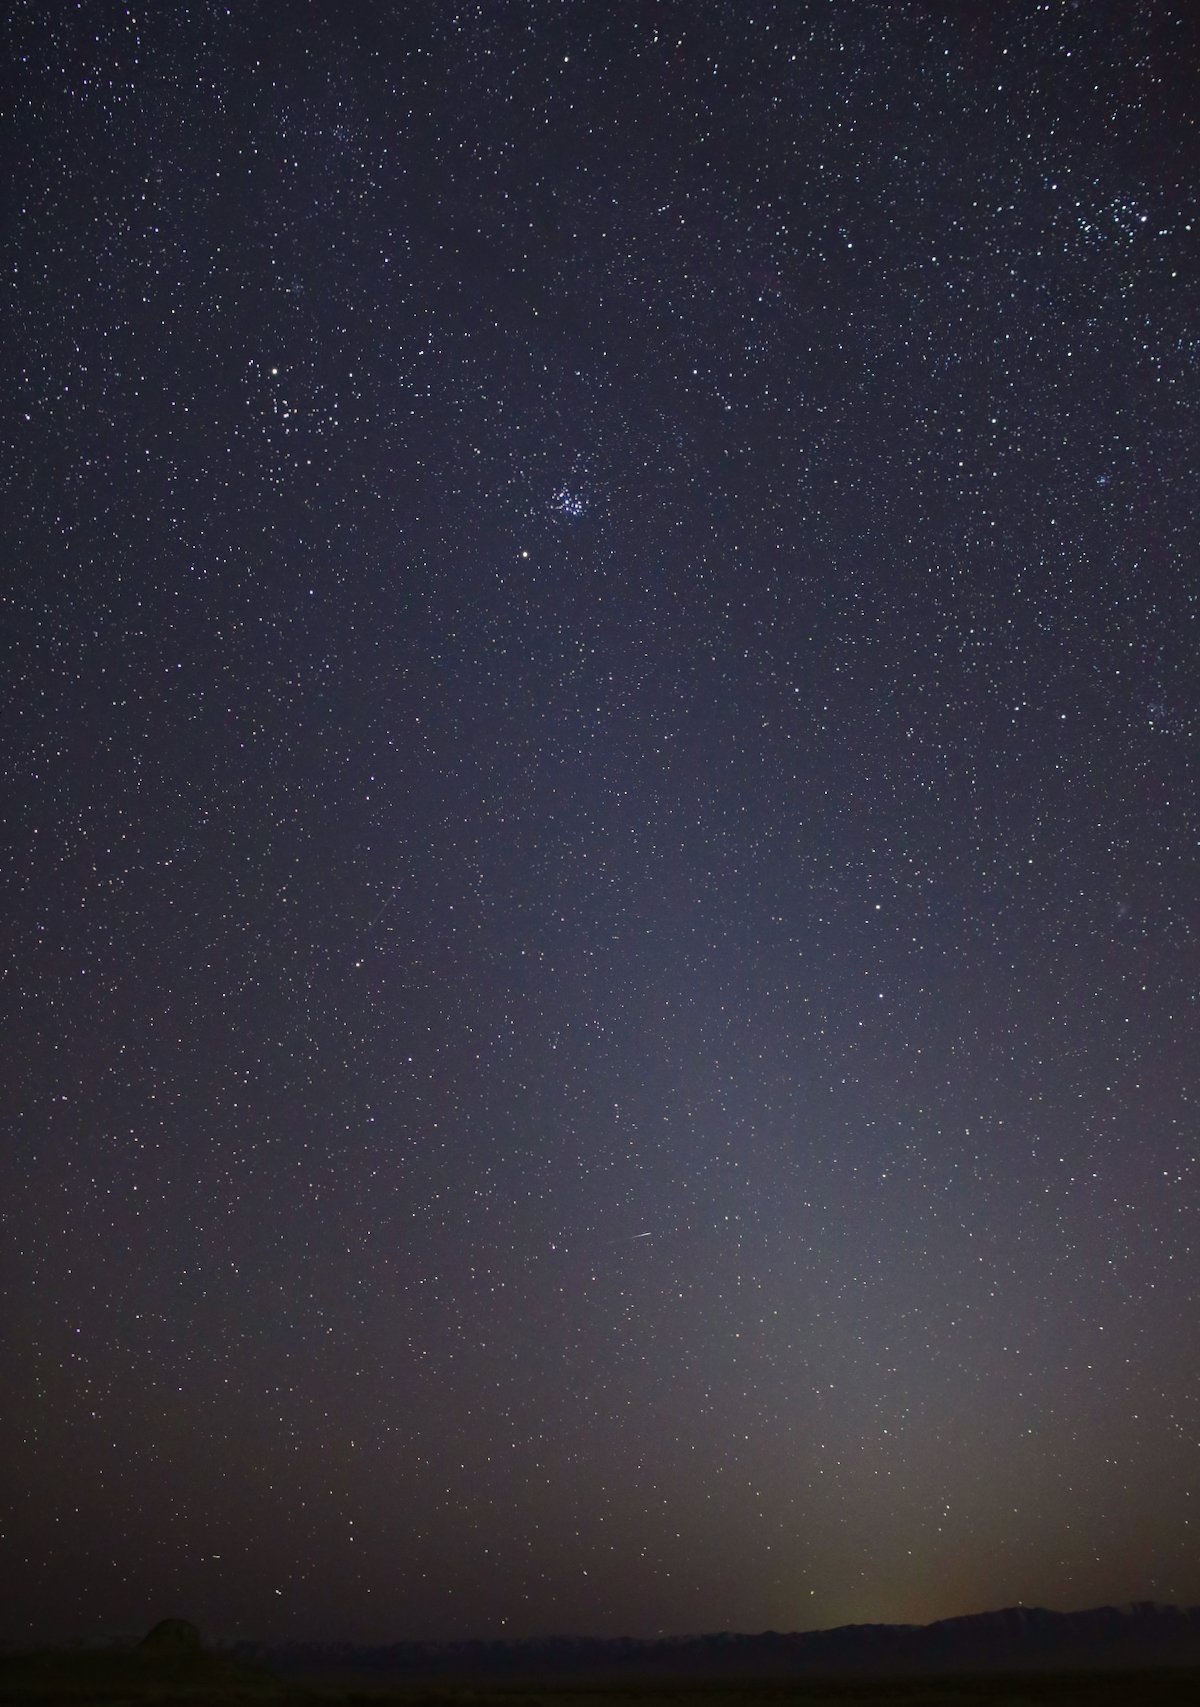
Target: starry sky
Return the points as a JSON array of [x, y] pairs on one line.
[[600, 895]]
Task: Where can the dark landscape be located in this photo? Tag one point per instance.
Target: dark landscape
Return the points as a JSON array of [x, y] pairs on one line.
[[1021, 1655], [1015, 1639]]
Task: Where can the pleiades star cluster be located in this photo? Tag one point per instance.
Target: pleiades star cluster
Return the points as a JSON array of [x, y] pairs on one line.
[[599, 714]]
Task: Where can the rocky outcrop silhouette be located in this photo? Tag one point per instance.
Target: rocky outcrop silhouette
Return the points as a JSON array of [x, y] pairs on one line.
[[172, 1636]]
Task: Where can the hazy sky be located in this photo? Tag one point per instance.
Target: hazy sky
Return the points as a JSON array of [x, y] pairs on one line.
[[599, 723]]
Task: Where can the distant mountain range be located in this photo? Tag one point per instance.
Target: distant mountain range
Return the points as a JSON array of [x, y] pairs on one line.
[[1018, 1638]]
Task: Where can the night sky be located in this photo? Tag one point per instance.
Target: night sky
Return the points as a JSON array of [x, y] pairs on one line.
[[600, 692]]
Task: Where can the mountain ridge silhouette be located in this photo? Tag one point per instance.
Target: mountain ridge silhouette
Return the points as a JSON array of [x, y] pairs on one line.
[[1139, 1635]]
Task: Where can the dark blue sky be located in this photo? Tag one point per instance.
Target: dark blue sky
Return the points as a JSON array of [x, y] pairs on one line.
[[600, 888]]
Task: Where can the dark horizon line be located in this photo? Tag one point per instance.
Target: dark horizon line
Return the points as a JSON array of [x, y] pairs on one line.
[[1030, 1609], [994, 1618]]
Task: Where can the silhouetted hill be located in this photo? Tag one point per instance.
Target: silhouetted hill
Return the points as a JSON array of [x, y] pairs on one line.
[[1017, 1638]]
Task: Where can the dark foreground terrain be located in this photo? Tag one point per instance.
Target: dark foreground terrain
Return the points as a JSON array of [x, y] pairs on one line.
[[1144, 1655], [135, 1677], [133, 1680]]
